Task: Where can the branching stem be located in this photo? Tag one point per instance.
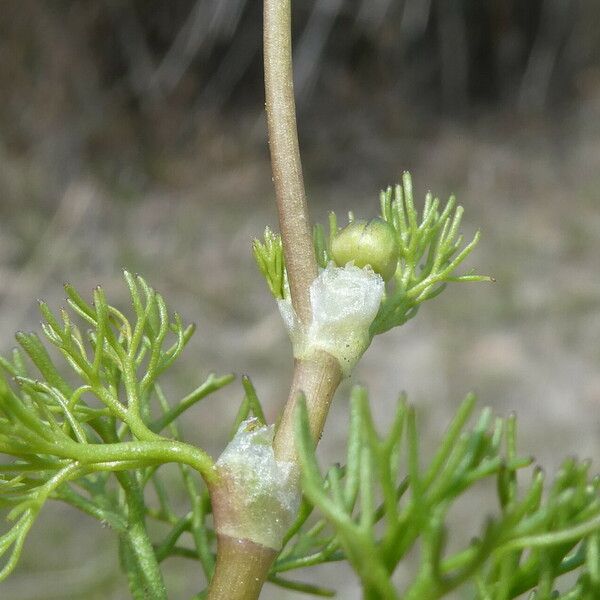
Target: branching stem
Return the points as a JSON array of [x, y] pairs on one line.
[[145, 577], [134, 452], [242, 566]]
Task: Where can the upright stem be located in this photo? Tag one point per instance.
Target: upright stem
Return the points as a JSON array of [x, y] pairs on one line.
[[319, 377], [242, 565], [294, 222], [138, 558]]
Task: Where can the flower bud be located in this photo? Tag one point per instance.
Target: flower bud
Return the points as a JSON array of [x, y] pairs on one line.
[[365, 243]]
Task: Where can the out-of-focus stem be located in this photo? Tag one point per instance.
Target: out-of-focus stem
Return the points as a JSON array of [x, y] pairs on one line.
[[138, 553]]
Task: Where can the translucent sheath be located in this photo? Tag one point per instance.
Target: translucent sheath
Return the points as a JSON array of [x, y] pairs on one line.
[[344, 302]]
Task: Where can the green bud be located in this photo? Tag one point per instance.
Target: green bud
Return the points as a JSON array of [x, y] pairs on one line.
[[370, 243]]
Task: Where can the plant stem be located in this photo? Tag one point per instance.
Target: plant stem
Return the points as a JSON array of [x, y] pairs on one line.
[[317, 379], [130, 567], [137, 550], [138, 558], [241, 570], [242, 565], [161, 451], [294, 222]]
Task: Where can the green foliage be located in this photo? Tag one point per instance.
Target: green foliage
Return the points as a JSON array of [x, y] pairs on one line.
[[269, 258], [383, 503], [98, 444], [66, 438], [431, 249], [429, 246]]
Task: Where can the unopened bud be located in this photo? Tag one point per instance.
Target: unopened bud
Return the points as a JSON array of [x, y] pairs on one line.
[[365, 243]]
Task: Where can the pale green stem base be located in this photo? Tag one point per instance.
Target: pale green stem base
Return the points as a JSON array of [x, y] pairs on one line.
[[241, 570]]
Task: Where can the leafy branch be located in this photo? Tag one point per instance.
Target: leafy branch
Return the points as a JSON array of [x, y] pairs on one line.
[[430, 251], [426, 250], [66, 439], [98, 444], [536, 537]]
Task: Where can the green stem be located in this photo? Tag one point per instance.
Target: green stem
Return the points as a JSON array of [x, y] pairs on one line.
[[241, 570], [553, 538], [317, 379], [143, 452], [138, 553], [198, 516], [129, 566]]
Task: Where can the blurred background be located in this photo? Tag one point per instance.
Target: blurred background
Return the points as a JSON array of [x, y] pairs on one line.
[[132, 134]]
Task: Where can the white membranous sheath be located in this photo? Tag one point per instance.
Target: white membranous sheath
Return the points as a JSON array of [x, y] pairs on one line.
[[262, 495], [344, 301]]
